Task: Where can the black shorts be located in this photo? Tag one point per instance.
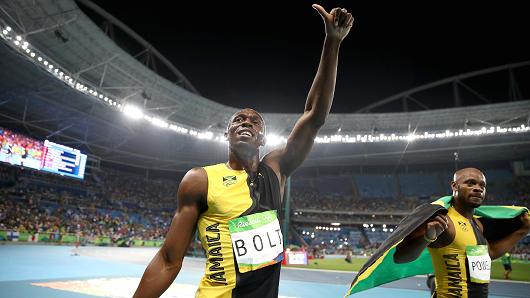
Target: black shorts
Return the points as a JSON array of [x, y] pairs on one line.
[[507, 267]]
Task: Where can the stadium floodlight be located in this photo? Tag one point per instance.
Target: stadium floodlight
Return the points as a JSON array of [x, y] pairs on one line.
[[273, 139], [132, 111], [339, 137], [208, 135], [221, 138], [48, 64], [160, 123]]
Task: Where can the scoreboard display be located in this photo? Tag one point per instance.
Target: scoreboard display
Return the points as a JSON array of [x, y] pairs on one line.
[[63, 160], [19, 150]]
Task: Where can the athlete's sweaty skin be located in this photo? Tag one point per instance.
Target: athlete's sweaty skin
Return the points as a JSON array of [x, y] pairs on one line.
[[246, 134]]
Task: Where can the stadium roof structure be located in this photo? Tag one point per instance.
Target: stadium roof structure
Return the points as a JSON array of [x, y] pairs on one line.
[[65, 79]]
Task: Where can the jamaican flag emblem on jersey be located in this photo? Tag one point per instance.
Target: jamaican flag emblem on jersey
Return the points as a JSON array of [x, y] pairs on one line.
[[229, 180], [462, 225]]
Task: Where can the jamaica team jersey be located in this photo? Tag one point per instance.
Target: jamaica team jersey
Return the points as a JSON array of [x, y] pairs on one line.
[[240, 233], [462, 268]]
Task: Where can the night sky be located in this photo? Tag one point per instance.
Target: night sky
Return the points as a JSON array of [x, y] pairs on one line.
[[264, 54]]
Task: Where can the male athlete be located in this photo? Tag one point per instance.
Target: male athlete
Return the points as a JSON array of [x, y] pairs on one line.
[[460, 253], [234, 205]]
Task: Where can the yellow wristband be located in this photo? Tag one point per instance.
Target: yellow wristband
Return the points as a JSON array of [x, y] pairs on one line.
[[429, 240]]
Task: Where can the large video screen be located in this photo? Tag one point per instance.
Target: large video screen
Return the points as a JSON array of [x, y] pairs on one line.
[[19, 150], [63, 160]]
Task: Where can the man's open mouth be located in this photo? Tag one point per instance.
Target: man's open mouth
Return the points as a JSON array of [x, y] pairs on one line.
[[245, 132]]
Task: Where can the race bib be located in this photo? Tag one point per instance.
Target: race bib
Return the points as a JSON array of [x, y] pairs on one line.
[[257, 240], [479, 262]]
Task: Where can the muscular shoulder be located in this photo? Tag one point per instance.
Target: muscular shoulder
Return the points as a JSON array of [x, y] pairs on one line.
[[273, 156], [273, 160], [193, 188], [195, 175]]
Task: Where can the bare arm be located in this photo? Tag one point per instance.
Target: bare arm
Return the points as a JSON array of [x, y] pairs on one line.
[[412, 246], [500, 247], [166, 264], [320, 97]]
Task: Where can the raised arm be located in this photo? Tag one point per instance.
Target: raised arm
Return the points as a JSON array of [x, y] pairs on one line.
[[337, 23], [166, 264], [500, 247]]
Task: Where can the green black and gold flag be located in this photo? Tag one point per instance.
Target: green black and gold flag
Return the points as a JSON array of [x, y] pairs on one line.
[[229, 180], [498, 221]]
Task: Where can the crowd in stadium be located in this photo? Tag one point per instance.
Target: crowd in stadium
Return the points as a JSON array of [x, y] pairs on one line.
[[123, 207], [400, 192], [15, 147], [117, 208]]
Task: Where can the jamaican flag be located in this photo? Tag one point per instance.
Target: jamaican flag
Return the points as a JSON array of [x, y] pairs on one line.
[[498, 221]]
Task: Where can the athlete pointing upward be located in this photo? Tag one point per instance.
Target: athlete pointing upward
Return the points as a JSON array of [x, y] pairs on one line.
[[234, 205]]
